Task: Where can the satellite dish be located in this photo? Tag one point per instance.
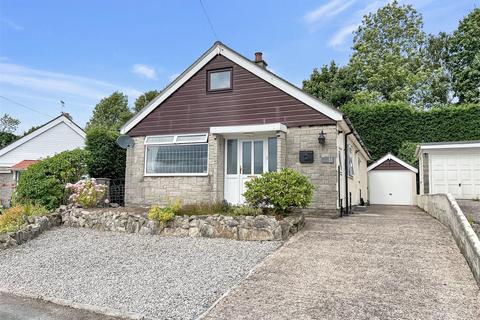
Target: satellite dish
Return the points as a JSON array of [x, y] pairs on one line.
[[125, 141]]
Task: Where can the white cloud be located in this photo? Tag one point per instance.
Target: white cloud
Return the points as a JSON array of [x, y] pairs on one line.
[[11, 24], [18, 77], [144, 71], [329, 9], [342, 34]]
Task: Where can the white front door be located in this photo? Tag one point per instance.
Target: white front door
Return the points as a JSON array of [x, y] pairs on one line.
[[244, 160]]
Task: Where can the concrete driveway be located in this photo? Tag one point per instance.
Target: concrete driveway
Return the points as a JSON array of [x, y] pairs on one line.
[[387, 263]]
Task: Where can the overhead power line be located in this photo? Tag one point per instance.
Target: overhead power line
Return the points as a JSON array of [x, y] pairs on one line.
[[209, 21], [26, 107]]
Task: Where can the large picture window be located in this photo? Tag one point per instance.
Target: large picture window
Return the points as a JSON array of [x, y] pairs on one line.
[[176, 155]]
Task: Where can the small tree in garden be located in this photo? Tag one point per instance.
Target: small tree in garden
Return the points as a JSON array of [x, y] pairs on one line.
[[87, 193], [283, 191]]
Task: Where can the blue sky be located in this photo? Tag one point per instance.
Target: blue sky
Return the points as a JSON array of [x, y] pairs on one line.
[[81, 51]]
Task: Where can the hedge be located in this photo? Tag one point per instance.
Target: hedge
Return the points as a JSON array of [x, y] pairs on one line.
[[385, 127]]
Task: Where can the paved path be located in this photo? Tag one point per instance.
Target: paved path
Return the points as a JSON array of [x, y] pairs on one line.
[[18, 308], [387, 263]]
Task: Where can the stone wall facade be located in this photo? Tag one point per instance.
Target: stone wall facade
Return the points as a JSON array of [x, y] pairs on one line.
[[134, 220], [322, 175], [146, 190], [7, 186]]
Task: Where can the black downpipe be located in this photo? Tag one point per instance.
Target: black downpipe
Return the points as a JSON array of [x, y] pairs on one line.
[[347, 204]]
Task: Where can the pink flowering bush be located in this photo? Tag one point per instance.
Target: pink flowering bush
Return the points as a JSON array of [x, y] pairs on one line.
[[87, 193]]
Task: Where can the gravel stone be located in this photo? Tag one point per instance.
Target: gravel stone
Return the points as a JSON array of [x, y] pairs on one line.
[[167, 278]]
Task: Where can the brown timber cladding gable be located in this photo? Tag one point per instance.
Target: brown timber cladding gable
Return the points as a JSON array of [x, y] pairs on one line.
[[251, 101], [390, 165]]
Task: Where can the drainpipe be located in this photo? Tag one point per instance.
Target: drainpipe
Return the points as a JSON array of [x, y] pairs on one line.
[[347, 204]]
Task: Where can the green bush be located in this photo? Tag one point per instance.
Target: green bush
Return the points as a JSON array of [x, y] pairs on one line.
[[43, 183], [244, 210], [164, 214], [283, 191], [204, 208], [107, 159], [385, 127]]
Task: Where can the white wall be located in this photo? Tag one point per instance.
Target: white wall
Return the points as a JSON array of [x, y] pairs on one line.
[[55, 140]]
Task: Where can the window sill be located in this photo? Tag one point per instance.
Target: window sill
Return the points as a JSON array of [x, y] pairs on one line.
[[175, 174]]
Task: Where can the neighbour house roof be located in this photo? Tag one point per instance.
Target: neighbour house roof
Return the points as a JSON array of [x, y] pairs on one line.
[[220, 49], [397, 165], [22, 165], [447, 145], [63, 118]]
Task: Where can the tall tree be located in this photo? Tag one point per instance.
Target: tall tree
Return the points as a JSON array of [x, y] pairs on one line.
[[464, 60], [145, 99], [387, 54], [331, 84], [8, 124], [111, 112]]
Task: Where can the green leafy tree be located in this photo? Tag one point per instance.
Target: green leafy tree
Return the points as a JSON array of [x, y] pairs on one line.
[[111, 112], [464, 60], [145, 99], [44, 182], [107, 159], [388, 52], [6, 138], [406, 152], [8, 124], [30, 130], [331, 84]]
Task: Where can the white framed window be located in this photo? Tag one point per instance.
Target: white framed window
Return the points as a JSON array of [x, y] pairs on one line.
[[176, 155], [350, 161]]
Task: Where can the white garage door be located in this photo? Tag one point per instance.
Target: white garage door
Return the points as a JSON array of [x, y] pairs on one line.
[[391, 186], [458, 174]]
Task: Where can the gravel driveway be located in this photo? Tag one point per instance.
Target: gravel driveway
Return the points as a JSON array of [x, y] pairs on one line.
[[167, 278]]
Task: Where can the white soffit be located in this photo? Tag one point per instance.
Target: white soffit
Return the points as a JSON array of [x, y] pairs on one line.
[[270, 127]]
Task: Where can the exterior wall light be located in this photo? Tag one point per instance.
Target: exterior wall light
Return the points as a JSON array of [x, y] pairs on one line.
[[322, 137]]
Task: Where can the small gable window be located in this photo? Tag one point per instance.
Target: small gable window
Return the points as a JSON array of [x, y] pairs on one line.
[[218, 80]]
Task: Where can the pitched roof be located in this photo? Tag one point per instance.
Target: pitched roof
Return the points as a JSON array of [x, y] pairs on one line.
[[220, 49], [447, 145], [61, 118], [24, 164], [390, 156]]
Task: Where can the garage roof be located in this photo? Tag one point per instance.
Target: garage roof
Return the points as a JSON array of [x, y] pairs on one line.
[[447, 145], [390, 157]]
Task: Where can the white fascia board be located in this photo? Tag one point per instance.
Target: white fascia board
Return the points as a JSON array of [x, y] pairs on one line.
[[270, 127], [450, 146], [390, 156], [41, 130], [269, 77]]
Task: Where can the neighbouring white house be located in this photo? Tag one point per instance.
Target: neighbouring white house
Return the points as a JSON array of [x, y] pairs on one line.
[[450, 167], [392, 181], [57, 135]]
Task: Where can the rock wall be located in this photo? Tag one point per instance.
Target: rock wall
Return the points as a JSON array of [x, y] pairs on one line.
[[34, 227], [134, 220]]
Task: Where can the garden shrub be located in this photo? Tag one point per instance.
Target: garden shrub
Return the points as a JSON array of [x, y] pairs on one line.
[[164, 214], [282, 191], [245, 210], [204, 208], [13, 218], [43, 183], [107, 159], [384, 127], [87, 193]]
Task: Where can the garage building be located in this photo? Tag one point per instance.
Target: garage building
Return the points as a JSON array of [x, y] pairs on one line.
[[392, 181], [450, 167]]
